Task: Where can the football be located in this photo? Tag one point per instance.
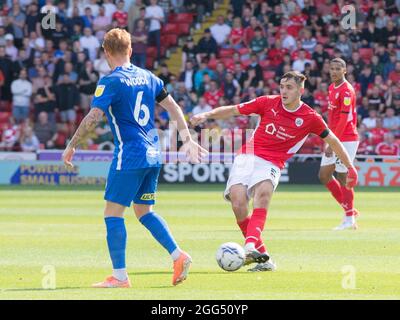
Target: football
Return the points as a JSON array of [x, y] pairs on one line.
[[230, 256]]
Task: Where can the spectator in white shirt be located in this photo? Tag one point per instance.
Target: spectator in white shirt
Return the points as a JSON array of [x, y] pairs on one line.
[[288, 42], [220, 31], [110, 7], [201, 107], [300, 63], [89, 42], [370, 122], [94, 6], [156, 15], [11, 50], [21, 90]]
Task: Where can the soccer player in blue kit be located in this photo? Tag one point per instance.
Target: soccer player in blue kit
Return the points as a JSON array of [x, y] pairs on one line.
[[127, 97]]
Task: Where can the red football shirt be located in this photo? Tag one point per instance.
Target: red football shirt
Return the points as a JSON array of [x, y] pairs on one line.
[[121, 17], [281, 132], [386, 149], [342, 99]]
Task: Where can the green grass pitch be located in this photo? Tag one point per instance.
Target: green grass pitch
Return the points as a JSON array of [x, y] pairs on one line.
[[64, 229]]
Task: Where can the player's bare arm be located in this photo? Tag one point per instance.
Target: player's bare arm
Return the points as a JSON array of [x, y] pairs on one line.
[[193, 150], [220, 113], [88, 124], [342, 154]]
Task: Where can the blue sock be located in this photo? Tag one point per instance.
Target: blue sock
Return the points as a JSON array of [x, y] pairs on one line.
[[116, 240], [159, 229]]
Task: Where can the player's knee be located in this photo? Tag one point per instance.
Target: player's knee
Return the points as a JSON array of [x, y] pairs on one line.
[[324, 177]]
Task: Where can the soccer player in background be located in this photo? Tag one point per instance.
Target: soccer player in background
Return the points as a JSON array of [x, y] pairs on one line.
[[284, 126], [342, 120], [127, 97]]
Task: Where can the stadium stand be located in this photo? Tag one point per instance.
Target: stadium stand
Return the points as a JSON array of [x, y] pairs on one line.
[[209, 53]]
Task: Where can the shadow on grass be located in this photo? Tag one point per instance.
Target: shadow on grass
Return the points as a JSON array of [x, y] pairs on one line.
[[146, 273]]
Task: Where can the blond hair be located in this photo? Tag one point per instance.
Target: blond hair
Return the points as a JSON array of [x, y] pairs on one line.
[[117, 42]]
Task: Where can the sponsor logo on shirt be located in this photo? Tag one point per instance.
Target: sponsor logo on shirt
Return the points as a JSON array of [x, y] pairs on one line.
[[99, 90], [346, 101]]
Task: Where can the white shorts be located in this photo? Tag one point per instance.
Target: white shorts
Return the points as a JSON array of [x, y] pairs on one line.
[[248, 170], [351, 147]]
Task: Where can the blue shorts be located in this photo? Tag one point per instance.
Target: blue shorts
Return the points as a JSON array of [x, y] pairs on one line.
[[137, 185]]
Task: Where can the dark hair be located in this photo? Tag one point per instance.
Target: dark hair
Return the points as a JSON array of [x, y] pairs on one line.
[[340, 61], [298, 77]]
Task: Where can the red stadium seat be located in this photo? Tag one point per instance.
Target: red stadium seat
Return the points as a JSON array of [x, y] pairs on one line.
[[366, 54], [268, 75], [243, 51], [264, 64], [151, 52], [212, 64], [246, 63], [149, 62], [181, 18], [226, 53], [169, 40], [170, 28], [228, 63], [4, 116], [184, 29], [329, 51], [323, 40]]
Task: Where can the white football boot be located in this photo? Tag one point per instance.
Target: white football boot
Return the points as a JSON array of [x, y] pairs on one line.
[[265, 266], [347, 223]]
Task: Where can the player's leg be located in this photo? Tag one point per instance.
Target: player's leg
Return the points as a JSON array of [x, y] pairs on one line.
[[349, 221], [118, 197], [158, 227], [328, 180], [240, 207]]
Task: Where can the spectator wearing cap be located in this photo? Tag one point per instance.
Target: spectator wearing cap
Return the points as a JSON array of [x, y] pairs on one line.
[[11, 50], [220, 31], [139, 39], [207, 46], [190, 52], [156, 15], [21, 90]]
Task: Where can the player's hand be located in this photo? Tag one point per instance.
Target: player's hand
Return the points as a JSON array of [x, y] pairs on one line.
[[194, 152], [67, 156], [328, 152], [352, 178], [198, 119]]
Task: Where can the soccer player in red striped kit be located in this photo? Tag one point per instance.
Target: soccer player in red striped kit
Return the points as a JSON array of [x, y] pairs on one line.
[[342, 120], [285, 123]]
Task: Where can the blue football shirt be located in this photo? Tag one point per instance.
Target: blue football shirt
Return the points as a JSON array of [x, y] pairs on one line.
[[127, 96]]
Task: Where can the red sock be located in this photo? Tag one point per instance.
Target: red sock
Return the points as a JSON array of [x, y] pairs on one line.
[[260, 246], [336, 190], [348, 201], [256, 225]]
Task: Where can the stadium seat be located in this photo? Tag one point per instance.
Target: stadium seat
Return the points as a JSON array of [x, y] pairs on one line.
[[151, 52], [323, 40], [329, 51], [184, 29], [169, 40], [366, 54], [243, 51], [170, 29], [212, 64], [150, 62], [246, 63], [4, 116], [228, 63], [226, 53], [268, 75], [181, 18], [264, 64]]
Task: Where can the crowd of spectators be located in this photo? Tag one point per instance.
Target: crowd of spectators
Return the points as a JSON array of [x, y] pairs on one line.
[[48, 76]]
